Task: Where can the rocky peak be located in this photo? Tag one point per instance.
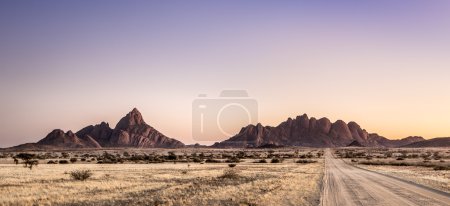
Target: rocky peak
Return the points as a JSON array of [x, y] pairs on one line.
[[303, 121], [339, 129], [324, 125], [131, 119], [104, 124], [70, 133]]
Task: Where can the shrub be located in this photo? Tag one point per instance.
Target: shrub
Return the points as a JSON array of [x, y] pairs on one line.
[[440, 167], [400, 158], [81, 175], [232, 165], [261, 161], [73, 160], [196, 159], [52, 162], [64, 155], [276, 160], [172, 156], [63, 162], [126, 154], [230, 174], [213, 161], [305, 161], [353, 160]]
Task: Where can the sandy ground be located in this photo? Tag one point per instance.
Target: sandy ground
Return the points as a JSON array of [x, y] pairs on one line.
[[286, 183], [345, 184], [429, 177]]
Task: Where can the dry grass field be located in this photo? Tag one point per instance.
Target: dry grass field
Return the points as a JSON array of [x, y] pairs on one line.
[[429, 167], [439, 180], [200, 176], [167, 183]]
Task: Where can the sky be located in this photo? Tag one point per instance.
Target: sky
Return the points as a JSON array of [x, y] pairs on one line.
[[67, 64]]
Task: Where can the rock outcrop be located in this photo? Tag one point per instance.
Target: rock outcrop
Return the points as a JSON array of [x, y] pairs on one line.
[[131, 131], [310, 132], [58, 138]]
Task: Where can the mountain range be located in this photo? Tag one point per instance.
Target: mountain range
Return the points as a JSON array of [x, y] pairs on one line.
[[311, 132], [132, 132]]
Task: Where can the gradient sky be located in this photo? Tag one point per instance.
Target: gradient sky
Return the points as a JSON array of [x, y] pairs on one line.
[[66, 64]]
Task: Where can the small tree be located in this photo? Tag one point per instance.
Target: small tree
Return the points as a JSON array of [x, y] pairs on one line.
[[31, 163], [172, 156], [28, 160]]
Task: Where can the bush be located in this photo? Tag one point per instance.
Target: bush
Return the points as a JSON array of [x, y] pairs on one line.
[[400, 158], [197, 160], [276, 160], [305, 161], [73, 160], [230, 174], [213, 161], [441, 167], [52, 162], [63, 162], [81, 175], [172, 156], [231, 165], [261, 161]]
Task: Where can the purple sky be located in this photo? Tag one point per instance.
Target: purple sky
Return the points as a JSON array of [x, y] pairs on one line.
[[68, 64]]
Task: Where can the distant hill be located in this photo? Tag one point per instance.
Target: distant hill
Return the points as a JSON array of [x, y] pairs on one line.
[[435, 142], [131, 131], [310, 132]]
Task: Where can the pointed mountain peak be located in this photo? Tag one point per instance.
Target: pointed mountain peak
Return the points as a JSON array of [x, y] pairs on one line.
[[131, 119], [70, 133], [135, 110]]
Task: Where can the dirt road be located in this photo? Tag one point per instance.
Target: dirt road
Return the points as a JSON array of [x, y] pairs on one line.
[[347, 185]]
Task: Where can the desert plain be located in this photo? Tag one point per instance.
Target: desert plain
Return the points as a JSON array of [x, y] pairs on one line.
[[203, 176]]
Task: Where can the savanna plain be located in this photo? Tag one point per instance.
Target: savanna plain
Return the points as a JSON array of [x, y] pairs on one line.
[[200, 176]]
